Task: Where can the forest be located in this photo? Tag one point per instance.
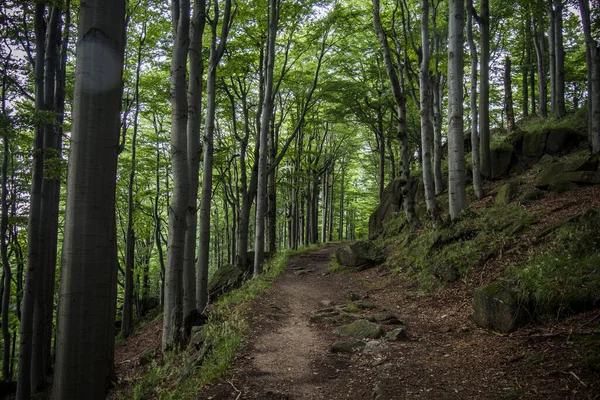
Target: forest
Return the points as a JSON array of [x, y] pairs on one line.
[[149, 146]]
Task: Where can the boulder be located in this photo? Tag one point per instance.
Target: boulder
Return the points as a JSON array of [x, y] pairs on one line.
[[360, 329], [551, 141], [375, 347], [447, 273], [358, 255], [578, 171], [389, 206], [385, 318], [501, 162], [506, 194], [498, 306], [530, 195], [394, 335], [225, 279]]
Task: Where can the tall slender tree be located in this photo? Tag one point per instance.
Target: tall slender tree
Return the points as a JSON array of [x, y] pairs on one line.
[[87, 303], [456, 156]]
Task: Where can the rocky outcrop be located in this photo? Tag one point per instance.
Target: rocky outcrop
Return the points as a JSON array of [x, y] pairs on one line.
[[556, 175], [225, 279], [359, 255], [389, 206], [551, 141]]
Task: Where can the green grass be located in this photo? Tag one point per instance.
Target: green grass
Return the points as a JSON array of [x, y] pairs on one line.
[[566, 278], [223, 334], [463, 244], [576, 121]]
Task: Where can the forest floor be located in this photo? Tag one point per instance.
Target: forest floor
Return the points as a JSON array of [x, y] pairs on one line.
[[444, 356]]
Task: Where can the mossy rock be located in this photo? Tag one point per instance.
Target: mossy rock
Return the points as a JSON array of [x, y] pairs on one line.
[[534, 144], [501, 162], [225, 279], [506, 194], [498, 306], [400, 333], [360, 329], [385, 318], [331, 316]]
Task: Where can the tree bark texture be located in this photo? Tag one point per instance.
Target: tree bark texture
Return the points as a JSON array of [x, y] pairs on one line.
[[173, 307], [456, 155], [87, 303]]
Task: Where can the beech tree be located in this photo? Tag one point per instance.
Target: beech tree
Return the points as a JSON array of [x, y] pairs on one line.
[[85, 328], [456, 156]]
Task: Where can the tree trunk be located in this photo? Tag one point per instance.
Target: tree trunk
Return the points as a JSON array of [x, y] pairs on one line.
[[216, 52], [193, 149], [87, 303], [6, 360], [538, 39], [477, 181], [398, 93], [593, 72], [484, 89], [551, 54], [559, 96], [173, 306], [267, 110], [426, 126], [456, 156], [34, 274], [127, 318], [508, 98]]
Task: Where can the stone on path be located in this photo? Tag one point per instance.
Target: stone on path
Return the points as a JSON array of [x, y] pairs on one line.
[[360, 329]]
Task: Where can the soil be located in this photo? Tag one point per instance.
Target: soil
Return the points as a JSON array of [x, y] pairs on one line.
[[445, 356]]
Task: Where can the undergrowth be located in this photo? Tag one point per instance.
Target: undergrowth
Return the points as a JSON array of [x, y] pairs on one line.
[[576, 121], [565, 278], [177, 376], [460, 245]]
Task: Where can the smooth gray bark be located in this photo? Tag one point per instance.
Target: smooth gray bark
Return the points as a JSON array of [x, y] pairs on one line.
[[508, 97], [194, 121], [484, 88], [87, 302], [267, 110], [538, 40], [34, 274], [216, 52], [477, 181], [425, 89], [456, 152], [173, 307]]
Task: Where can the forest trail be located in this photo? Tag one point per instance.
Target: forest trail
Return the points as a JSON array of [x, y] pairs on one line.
[[445, 356]]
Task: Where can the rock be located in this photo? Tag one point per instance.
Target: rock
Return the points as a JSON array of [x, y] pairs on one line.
[[562, 186], [551, 141], [197, 336], [534, 144], [498, 306], [346, 347], [375, 347], [400, 333], [225, 279], [326, 303], [360, 329], [447, 273], [580, 170], [365, 304], [501, 161], [148, 356], [384, 318], [506, 194], [358, 255], [331, 316], [389, 206]]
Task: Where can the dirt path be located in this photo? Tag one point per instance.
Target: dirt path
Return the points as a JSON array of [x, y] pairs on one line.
[[445, 356]]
